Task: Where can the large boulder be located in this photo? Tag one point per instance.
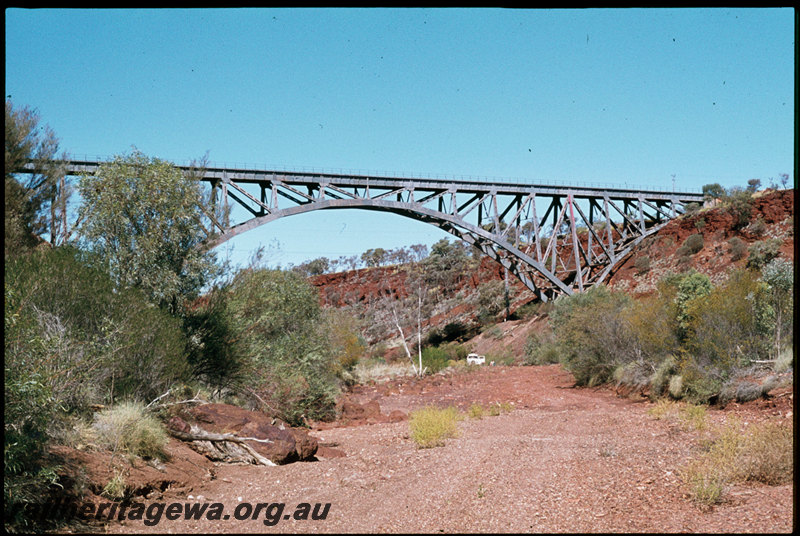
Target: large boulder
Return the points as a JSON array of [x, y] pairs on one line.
[[278, 442]]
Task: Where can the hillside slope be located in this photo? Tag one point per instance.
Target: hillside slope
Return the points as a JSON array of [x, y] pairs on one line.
[[772, 216], [716, 226]]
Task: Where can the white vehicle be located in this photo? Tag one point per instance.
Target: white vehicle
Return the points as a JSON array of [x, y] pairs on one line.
[[475, 359]]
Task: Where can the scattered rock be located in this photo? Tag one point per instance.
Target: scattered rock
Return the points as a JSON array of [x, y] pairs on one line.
[[397, 416]]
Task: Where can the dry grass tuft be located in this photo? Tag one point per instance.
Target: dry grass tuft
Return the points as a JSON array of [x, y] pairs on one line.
[[762, 453], [128, 428], [430, 426], [766, 454]]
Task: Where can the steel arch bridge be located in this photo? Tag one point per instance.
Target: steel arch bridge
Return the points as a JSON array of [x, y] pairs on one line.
[[555, 239]]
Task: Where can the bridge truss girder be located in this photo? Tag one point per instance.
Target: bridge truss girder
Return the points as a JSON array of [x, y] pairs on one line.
[[567, 249]]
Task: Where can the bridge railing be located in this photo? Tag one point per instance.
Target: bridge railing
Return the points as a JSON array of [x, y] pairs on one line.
[[412, 175]]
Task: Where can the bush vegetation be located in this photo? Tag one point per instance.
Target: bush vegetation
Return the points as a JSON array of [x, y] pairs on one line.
[[691, 340], [762, 252], [758, 227], [279, 331], [541, 349], [116, 318], [436, 358], [491, 300], [642, 264], [737, 248], [592, 334], [476, 411], [693, 243], [738, 203], [85, 325]]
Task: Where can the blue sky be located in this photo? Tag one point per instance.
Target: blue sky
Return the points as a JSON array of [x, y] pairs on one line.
[[593, 95]]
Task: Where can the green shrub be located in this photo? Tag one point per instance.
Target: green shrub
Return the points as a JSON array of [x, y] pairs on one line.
[[713, 191], [457, 351], [29, 413], [278, 326], [758, 227], [731, 325], [116, 488], [435, 358], [100, 338], [753, 185], [127, 428], [431, 426], [491, 299], [737, 248], [145, 219], [694, 243], [476, 411], [738, 203], [690, 288], [71, 340], [701, 389], [762, 252], [653, 331], [642, 264], [592, 333], [541, 349], [213, 350], [344, 337], [779, 277]]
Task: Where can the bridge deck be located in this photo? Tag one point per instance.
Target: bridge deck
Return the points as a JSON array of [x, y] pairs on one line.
[[77, 167]]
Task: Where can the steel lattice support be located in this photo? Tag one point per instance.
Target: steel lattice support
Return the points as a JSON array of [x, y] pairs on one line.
[[555, 239]]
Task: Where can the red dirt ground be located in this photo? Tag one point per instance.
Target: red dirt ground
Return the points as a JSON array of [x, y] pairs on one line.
[[563, 460]]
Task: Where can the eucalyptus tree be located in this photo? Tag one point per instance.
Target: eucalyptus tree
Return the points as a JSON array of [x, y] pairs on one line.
[[146, 220], [37, 204]]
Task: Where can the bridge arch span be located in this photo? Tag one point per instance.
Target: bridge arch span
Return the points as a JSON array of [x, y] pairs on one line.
[[539, 232], [489, 243]]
